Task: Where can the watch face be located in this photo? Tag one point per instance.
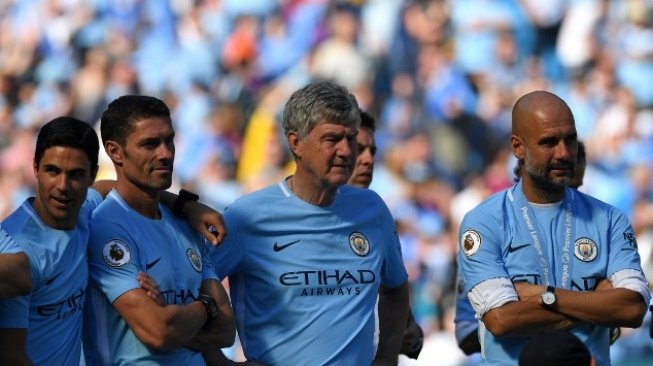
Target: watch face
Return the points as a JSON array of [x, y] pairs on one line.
[[548, 298]]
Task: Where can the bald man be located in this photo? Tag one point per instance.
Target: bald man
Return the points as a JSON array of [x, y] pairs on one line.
[[541, 255]]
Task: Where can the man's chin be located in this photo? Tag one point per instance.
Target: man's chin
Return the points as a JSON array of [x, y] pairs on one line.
[[561, 182]]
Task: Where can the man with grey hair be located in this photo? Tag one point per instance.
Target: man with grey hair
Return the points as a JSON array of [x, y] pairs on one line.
[[308, 256]]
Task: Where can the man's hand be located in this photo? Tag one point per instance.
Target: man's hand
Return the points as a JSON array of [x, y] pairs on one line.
[[148, 284], [206, 221], [604, 284], [528, 292], [413, 340]]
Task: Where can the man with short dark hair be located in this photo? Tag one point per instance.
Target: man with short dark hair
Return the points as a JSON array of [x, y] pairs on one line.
[[363, 171], [45, 326], [133, 232]]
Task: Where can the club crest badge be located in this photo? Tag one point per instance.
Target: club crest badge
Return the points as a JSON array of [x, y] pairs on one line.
[[470, 242], [195, 259], [359, 244], [585, 249], [116, 253]]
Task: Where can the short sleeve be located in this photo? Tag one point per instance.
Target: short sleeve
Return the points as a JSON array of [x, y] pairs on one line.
[[623, 245], [208, 271], [7, 244], [227, 256], [479, 252], [113, 262]]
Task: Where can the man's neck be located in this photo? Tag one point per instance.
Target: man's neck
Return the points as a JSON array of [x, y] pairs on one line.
[[536, 194], [145, 203], [312, 192]]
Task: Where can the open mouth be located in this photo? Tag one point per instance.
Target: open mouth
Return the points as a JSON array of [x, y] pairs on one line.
[[62, 202]]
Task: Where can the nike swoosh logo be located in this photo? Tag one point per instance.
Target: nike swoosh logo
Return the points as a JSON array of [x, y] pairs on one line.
[[51, 279], [151, 264], [278, 248], [512, 249]]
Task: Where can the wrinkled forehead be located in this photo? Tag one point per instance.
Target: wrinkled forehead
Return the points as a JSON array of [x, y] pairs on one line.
[[348, 123]]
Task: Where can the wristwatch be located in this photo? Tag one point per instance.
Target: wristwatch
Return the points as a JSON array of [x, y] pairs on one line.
[[183, 197], [549, 297], [211, 310]]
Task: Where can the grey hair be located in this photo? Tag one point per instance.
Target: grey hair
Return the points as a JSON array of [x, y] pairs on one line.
[[317, 103]]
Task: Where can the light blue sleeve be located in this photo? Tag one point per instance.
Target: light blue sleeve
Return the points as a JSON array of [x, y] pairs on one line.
[[7, 243], [117, 274], [93, 199], [208, 271], [465, 318], [623, 245], [227, 256], [479, 253]]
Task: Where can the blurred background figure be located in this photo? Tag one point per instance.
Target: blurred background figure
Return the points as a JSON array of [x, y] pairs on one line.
[[441, 75]]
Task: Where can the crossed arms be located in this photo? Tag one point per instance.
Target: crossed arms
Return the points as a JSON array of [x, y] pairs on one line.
[[166, 327], [605, 306]]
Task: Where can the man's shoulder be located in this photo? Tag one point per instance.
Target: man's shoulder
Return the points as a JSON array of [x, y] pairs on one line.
[[593, 202], [266, 195], [596, 208], [489, 207], [355, 194], [110, 209], [16, 222]]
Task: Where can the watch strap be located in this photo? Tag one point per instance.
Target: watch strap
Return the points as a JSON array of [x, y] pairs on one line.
[[183, 197], [211, 310]]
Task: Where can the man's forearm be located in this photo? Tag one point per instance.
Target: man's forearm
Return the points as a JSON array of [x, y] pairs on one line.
[[223, 332], [522, 318], [617, 307], [393, 312]]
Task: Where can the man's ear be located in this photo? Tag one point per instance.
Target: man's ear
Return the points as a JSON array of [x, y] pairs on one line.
[[294, 143], [114, 151], [517, 147], [35, 165]]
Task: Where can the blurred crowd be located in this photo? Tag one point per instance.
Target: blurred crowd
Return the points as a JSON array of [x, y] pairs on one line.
[[440, 76]]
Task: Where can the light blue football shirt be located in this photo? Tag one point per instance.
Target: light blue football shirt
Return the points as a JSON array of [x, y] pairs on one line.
[[124, 242], [7, 244], [52, 313], [304, 279], [494, 244]]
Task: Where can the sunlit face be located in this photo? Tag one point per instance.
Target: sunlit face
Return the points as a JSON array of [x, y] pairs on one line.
[[328, 154], [364, 168], [550, 150], [63, 176], [148, 155]]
